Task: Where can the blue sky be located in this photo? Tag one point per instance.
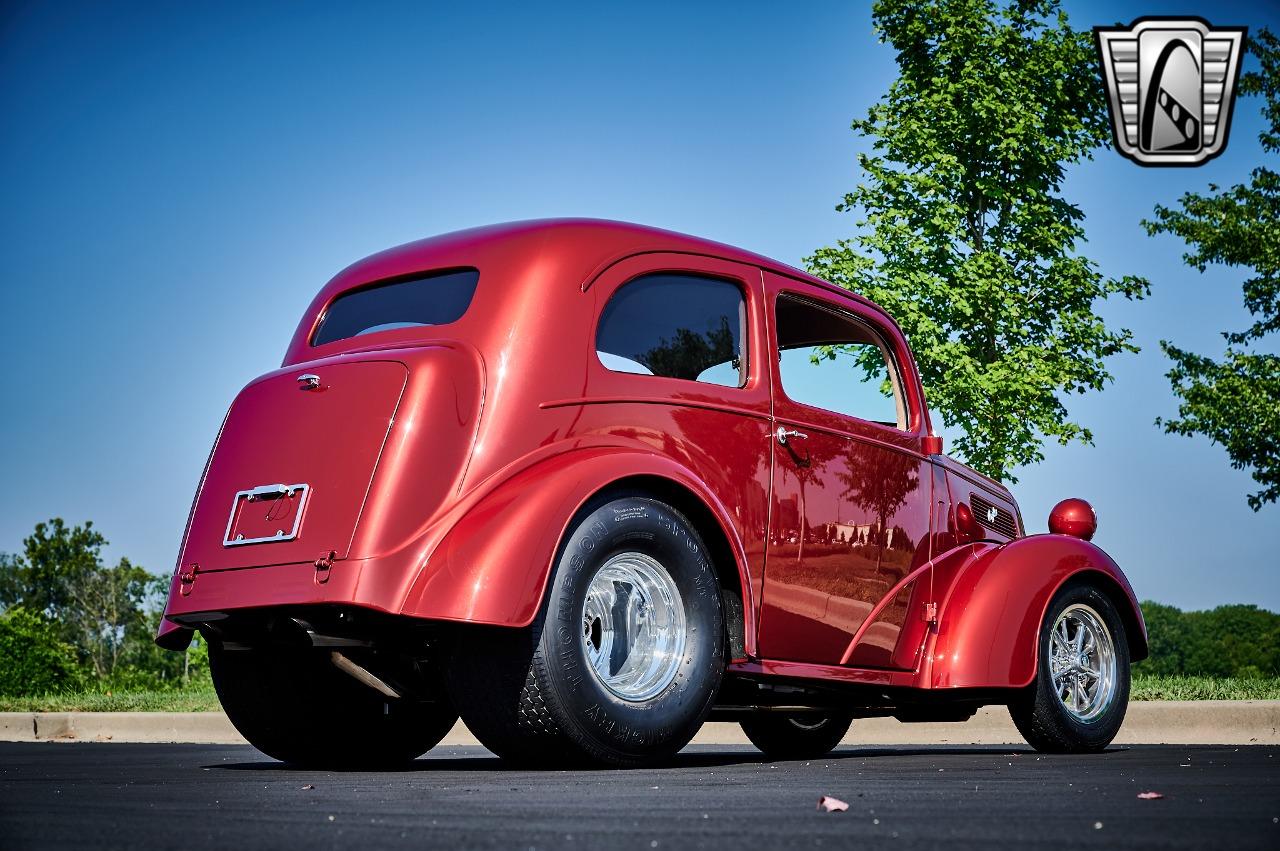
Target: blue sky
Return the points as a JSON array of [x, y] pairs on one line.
[[181, 178]]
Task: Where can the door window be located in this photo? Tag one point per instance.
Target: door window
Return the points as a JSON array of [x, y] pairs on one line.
[[828, 359], [676, 325]]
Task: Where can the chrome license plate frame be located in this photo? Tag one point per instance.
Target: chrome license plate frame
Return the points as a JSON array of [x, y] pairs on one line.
[[267, 492]]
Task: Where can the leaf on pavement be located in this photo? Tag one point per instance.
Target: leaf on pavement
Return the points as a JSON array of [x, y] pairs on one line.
[[832, 805]]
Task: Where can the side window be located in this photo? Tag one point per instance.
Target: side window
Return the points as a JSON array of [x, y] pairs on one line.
[[676, 325], [830, 360]]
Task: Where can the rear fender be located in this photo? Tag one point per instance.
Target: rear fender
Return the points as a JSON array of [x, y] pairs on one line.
[[493, 564], [992, 608]]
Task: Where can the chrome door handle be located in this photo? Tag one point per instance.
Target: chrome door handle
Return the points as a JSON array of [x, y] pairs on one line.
[[309, 382], [785, 434]]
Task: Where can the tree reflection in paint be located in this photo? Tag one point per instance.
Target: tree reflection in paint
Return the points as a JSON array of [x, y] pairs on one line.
[[880, 487]]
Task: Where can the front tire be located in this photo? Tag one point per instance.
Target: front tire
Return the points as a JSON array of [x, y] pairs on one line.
[[785, 736], [1081, 691], [292, 704], [622, 664]]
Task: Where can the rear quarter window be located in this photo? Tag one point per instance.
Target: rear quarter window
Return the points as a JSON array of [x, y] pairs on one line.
[[437, 298], [676, 326]]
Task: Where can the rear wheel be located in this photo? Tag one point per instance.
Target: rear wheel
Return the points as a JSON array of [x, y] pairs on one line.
[[786, 736], [1081, 690], [623, 663], [294, 705]]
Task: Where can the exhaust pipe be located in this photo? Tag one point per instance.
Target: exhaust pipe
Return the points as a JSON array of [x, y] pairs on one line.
[[359, 672]]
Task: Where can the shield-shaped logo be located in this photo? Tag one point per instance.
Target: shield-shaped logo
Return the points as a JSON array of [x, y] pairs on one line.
[[1170, 84]]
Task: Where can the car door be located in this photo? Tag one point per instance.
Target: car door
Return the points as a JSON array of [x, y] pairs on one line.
[[846, 570], [680, 370]]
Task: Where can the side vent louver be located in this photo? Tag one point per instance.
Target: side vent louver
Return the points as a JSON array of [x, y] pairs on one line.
[[992, 516]]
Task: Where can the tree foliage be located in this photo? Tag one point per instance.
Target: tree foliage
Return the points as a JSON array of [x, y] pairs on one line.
[[1229, 641], [966, 239], [1235, 400], [33, 658], [106, 614], [94, 607]]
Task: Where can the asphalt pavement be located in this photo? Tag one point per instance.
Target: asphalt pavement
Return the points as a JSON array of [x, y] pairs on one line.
[[88, 796]]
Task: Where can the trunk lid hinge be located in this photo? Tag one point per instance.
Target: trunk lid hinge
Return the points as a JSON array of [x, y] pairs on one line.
[[323, 565], [187, 579]]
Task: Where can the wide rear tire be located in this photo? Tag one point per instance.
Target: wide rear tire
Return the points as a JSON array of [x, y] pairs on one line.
[[622, 664], [295, 706]]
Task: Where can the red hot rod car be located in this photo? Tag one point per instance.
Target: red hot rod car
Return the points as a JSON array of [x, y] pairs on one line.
[[587, 484]]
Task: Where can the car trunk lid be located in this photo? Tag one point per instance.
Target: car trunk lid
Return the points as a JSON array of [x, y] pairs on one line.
[[292, 468]]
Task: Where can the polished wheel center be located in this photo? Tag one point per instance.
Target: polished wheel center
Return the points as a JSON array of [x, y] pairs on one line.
[[633, 626], [1082, 662]]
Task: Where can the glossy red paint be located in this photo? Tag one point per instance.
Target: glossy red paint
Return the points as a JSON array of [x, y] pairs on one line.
[[992, 599], [445, 462], [1074, 517]]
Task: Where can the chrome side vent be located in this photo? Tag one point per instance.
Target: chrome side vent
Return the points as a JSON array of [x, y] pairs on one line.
[[994, 517]]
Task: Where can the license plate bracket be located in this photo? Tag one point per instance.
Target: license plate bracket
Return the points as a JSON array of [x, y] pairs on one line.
[[266, 514]]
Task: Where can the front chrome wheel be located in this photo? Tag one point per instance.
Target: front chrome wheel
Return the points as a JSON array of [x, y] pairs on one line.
[[633, 626], [1082, 662], [1077, 700]]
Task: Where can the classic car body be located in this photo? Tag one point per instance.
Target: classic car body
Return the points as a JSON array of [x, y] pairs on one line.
[[426, 474]]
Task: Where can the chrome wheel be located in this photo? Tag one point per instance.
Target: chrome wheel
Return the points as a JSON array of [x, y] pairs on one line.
[[633, 626], [809, 725], [1082, 662]]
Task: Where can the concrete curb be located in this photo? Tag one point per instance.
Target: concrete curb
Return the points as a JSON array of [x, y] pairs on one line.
[[1192, 722]]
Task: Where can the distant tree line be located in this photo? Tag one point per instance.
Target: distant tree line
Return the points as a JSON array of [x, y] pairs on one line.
[[1229, 641], [70, 621]]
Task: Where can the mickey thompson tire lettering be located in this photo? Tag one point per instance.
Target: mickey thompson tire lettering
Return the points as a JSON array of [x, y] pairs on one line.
[[532, 695]]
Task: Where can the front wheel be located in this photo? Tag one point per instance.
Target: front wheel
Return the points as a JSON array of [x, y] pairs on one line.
[[623, 663], [787, 736], [1081, 691]]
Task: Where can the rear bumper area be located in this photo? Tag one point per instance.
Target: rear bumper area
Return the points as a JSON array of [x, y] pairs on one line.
[[344, 582]]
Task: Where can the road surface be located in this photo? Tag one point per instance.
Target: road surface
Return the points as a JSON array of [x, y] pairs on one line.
[[87, 796]]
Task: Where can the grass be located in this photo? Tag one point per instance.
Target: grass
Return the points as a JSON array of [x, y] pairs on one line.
[[180, 700], [1154, 687], [203, 699]]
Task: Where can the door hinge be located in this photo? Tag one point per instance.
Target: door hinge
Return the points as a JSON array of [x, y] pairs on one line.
[[931, 613]]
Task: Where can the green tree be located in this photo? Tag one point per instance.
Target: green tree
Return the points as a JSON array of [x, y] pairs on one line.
[[965, 237], [33, 659], [56, 558], [1235, 401], [61, 576], [1229, 641], [107, 610], [1168, 636]]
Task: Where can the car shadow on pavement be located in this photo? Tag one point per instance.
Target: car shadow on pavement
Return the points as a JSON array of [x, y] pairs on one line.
[[703, 756]]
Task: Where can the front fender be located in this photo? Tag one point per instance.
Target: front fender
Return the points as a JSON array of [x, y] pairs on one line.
[[492, 566], [993, 604]]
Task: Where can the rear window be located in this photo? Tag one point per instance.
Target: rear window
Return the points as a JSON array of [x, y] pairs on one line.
[[435, 299]]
